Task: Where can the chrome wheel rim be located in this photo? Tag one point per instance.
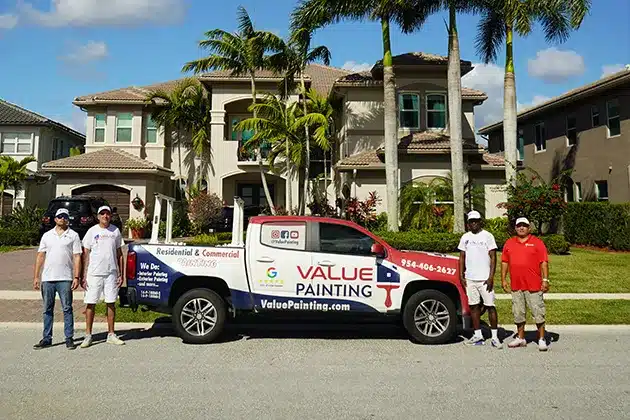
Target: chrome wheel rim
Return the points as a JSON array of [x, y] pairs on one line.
[[431, 318], [198, 317]]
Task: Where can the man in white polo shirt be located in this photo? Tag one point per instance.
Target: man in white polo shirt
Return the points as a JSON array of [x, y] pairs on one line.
[[60, 255], [477, 265], [103, 265]]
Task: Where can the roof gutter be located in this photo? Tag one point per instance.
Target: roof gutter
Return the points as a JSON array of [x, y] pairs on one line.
[[108, 170]]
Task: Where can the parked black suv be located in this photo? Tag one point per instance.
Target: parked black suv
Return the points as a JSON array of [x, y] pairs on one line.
[[82, 211]]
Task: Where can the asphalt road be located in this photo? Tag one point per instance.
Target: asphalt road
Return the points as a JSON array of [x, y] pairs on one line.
[[282, 373]]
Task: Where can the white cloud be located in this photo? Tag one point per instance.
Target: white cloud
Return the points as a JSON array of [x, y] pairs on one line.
[[609, 69], [90, 52], [555, 66], [357, 67], [110, 12], [8, 21]]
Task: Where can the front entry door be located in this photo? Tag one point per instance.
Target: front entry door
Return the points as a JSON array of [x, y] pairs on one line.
[[254, 194]]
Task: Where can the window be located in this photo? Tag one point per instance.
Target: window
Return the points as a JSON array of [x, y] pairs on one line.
[[436, 111], [123, 127], [243, 135], [571, 130], [578, 191], [612, 112], [99, 129], [601, 189], [541, 142], [594, 116], [339, 239], [409, 110], [521, 145], [569, 193], [151, 133], [17, 143], [254, 194], [285, 235]]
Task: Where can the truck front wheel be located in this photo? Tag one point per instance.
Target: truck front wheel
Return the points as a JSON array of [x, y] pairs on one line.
[[430, 317], [199, 316]]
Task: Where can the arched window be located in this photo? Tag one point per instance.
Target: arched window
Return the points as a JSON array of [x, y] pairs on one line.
[[436, 111]]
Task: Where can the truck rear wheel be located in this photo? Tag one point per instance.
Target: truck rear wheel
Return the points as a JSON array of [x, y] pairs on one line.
[[430, 317], [199, 316]]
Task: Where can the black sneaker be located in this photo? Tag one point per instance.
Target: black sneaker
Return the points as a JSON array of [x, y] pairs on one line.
[[70, 344], [42, 344]]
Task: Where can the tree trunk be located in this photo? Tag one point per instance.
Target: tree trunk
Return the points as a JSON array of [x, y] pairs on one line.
[[509, 111], [455, 122], [391, 132], [2, 203], [259, 156], [289, 181], [308, 143]]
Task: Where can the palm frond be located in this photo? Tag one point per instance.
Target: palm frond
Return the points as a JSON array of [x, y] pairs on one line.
[[245, 25], [319, 53], [490, 35]]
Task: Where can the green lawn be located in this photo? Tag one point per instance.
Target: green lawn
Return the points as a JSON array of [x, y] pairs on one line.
[[584, 271], [127, 315], [563, 312], [10, 248]]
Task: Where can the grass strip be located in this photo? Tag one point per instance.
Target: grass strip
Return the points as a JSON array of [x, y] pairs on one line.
[[11, 248]]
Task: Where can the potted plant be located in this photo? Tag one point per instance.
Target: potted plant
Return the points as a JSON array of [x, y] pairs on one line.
[[137, 227]]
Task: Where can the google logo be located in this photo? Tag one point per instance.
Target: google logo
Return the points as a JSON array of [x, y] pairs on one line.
[[271, 272]]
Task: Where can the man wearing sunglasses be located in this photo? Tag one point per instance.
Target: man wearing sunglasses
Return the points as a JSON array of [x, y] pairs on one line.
[[103, 265], [525, 257], [60, 255]]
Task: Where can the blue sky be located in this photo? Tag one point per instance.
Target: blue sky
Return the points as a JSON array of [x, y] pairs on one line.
[[53, 51]]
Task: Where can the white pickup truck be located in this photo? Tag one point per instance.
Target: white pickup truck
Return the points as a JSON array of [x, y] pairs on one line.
[[293, 263]]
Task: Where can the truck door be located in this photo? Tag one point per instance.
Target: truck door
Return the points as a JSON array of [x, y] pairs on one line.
[[344, 270], [272, 262]]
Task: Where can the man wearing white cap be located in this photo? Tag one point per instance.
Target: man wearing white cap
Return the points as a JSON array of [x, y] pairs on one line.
[[477, 265], [103, 265], [60, 255], [526, 258]]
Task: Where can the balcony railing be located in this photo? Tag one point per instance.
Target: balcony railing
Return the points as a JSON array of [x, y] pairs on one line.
[[248, 154]]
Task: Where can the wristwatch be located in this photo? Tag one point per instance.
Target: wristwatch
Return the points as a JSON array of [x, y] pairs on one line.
[[546, 280]]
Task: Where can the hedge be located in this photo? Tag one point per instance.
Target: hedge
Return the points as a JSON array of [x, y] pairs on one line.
[[15, 237], [598, 224]]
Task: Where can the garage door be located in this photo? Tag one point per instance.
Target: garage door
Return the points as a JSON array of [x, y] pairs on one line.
[[7, 204], [116, 197]]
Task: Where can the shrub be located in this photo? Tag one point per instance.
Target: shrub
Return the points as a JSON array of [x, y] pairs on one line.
[[363, 212], [556, 244], [204, 210], [18, 237], [532, 197], [23, 218], [598, 224], [206, 239]]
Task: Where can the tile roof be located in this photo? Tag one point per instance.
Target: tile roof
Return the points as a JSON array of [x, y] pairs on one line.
[[494, 159], [416, 143], [11, 114], [106, 159], [582, 91], [419, 58], [365, 78], [131, 94]]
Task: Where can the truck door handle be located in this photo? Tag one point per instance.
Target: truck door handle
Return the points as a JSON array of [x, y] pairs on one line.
[[326, 263], [265, 259]]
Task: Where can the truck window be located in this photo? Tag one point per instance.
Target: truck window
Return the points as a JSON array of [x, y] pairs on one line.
[[284, 235], [340, 239]]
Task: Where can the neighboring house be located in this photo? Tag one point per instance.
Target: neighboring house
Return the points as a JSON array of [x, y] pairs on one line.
[[119, 128], [24, 133], [586, 130]]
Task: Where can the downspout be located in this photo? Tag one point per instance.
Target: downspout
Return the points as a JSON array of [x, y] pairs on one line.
[[354, 183]]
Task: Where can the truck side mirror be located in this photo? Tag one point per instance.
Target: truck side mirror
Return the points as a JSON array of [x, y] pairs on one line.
[[378, 250]]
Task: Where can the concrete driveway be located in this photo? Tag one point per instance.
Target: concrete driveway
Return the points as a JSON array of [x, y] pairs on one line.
[[291, 374], [16, 269]]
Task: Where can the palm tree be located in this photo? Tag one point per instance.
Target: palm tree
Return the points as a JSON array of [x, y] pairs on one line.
[[186, 109], [409, 15], [12, 175], [501, 19], [241, 53]]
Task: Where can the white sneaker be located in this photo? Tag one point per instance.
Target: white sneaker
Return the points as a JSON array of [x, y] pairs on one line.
[[113, 339], [542, 345], [87, 342], [474, 341], [517, 342], [496, 343]]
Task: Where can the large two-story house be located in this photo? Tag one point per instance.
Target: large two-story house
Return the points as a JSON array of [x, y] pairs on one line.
[[128, 156], [585, 131], [25, 133]]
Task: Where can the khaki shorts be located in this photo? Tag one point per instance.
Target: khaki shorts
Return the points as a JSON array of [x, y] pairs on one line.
[[521, 299]]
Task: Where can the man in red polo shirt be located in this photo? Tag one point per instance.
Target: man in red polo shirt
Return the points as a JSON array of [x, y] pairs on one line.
[[525, 256]]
